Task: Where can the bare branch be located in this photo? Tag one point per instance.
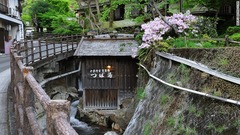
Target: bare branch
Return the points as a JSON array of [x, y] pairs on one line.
[[152, 4]]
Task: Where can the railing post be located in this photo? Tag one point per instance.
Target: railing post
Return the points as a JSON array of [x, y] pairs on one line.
[[28, 97], [72, 41], [18, 80], [12, 65], [26, 51], [67, 43], [54, 46], [55, 110], [40, 49], [226, 40], [32, 51], [47, 48], [61, 44]]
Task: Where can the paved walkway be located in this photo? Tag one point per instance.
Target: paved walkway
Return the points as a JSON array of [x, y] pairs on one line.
[[5, 79]]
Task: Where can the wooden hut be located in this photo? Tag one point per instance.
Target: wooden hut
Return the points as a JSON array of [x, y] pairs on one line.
[[108, 72]]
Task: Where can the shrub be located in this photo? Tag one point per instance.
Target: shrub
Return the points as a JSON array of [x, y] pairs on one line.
[[235, 36], [233, 29], [207, 25]]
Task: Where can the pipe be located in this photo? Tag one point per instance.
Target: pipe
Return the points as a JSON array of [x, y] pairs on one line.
[[62, 75], [191, 91]]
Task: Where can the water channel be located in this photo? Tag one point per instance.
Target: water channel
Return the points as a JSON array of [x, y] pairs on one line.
[[83, 128]]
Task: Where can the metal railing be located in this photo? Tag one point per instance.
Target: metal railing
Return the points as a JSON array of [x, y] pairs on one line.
[[200, 67], [26, 89]]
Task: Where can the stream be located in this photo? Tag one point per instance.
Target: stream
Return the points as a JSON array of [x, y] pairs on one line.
[[83, 128]]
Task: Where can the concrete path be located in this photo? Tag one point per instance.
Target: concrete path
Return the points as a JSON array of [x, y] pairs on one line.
[[5, 79], [4, 62]]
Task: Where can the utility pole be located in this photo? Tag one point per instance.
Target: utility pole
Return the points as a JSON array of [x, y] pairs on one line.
[[237, 13]]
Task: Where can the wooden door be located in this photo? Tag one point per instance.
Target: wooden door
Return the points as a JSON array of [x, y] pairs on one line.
[[100, 83]]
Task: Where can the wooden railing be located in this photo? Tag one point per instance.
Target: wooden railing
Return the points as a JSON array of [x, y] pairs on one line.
[[33, 51], [27, 90]]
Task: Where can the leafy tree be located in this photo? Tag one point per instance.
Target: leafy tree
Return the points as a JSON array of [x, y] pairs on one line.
[[55, 15]]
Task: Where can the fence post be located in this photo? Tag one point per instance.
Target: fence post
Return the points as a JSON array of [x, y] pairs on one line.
[[226, 40], [32, 51], [54, 46], [47, 47], [40, 49], [12, 65], [18, 79], [67, 43], [28, 97], [61, 38], [26, 51], [55, 110], [72, 42]]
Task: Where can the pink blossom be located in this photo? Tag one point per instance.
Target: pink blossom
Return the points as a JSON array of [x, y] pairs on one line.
[[154, 30]]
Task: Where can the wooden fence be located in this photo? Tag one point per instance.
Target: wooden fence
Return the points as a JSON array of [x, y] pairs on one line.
[[226, 40], [26, 89]]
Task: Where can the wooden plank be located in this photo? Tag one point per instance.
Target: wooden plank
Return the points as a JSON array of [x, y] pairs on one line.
[[200, 67]]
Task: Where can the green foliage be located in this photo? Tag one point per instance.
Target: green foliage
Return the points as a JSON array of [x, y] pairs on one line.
[[171, 121], [185, 43], [207, 25], [164, 99], [232, 30], [220, 129], [223, 62], [192, 109], [61, 25], [215, 129], [141, 93], [57, 16], [161, 46], [182, 43], [217, 93], [184, 71], [147, 128], [235, 37], [171, 78], [210, 126], [179, 127], [237, 123]]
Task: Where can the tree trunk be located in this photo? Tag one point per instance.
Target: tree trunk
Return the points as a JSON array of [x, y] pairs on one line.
[[152, 3], [111, 16], [98, 10]]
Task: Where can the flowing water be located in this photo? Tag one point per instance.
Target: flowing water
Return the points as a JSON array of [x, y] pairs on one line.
[[83, 128]]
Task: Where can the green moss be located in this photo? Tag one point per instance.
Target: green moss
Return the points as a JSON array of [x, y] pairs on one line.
[[141, 93], [171, 121], [147, 128], [223, 62], [164, 99], [235, 36]]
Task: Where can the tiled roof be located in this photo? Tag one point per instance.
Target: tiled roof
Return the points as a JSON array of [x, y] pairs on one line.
[[103, 45]]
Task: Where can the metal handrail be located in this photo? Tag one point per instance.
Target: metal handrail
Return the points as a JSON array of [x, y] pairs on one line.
[[190, 90]]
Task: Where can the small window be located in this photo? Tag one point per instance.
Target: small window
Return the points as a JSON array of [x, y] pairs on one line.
[[119, 13]]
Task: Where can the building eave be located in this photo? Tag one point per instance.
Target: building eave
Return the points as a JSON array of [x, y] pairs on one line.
[[10, 19]]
